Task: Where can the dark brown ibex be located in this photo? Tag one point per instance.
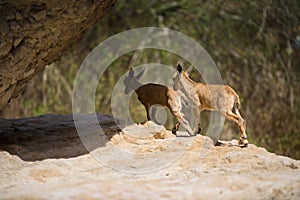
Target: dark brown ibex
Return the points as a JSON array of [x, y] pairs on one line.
[[151, 94]]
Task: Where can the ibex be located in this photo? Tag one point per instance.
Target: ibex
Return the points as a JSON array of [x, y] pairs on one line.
[[151, 94], [220, 98]]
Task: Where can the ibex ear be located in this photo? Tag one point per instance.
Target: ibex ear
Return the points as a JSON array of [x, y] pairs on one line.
[[189, 70], [140, 74], [179, 67], [131, 72]]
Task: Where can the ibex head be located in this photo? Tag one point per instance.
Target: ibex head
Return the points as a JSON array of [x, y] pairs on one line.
[[131, 82], [177, 76]]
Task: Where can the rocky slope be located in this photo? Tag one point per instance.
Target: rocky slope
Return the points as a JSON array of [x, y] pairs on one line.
[[44, 158], [34, 33]]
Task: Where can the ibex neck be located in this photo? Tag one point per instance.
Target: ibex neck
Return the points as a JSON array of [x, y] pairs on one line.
[[187, 83], [137, 87]]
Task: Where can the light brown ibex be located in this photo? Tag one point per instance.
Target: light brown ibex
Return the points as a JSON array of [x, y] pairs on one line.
[[151, 94], [220, 98]]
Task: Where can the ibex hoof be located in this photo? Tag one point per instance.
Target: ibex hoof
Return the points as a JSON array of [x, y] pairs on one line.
[[174, 130], [198, 131], [243, 143]]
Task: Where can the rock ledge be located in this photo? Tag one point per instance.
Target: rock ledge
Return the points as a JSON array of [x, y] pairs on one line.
[[43, 158]]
